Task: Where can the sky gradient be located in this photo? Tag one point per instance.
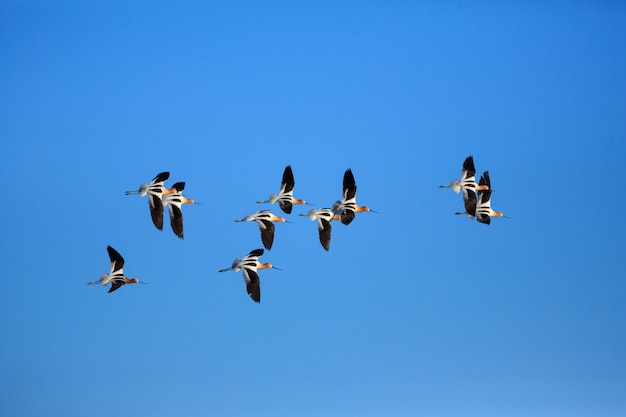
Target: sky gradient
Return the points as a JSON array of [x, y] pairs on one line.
[[413, 310]]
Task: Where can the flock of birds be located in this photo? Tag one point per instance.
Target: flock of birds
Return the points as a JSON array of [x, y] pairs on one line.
[[476, 198], [159, 197]]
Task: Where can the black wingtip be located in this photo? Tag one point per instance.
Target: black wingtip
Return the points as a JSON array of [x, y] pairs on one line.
[[257, 252], [162, 176]]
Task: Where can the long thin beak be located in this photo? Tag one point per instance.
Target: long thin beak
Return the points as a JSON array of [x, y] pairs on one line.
[[142, 282], [225, 269], [132, 192], [262, 202], [280, 269]]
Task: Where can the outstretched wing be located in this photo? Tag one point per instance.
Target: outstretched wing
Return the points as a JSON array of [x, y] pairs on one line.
[[117, 262], [116, 284], [288, 182], [160, 178], [267, 233], [469, 199], [156, 210], [256, 252], [468, 168], [349, 185], [285, 206], [324, 228], [253, 284], [176, 219]]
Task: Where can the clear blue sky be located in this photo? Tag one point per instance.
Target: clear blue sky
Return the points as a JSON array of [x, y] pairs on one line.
[[413, 311]]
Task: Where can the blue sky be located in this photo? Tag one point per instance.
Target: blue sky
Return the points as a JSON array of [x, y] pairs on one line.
[[413, 311]]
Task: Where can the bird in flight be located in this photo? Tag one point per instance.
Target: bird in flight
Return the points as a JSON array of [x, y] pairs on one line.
[[285, 198], [249, 265], [116, 275]]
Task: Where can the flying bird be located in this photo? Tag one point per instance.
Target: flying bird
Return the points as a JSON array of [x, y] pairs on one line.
[[323, 216], [116, 276], [468, 185], [249, 264], [265, 219], [347, 207], [484, 213], [285, 197], [174, 201], [155, 191]]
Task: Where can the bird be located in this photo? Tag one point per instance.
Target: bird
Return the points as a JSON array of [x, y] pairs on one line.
[[116, 276], [174, 202], [484, 213], [324, 216], [285, 197], [347, 207], [468, 185], [249, 265], [265, 219], [155, 191]]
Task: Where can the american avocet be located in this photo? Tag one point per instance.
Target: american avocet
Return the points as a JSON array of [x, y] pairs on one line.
[[155, 191], [468, 185], [324, 216], [347, 207], [116, 276], [175, 201], [249, 265], [265, 219], [285, 197], [484, 213]]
